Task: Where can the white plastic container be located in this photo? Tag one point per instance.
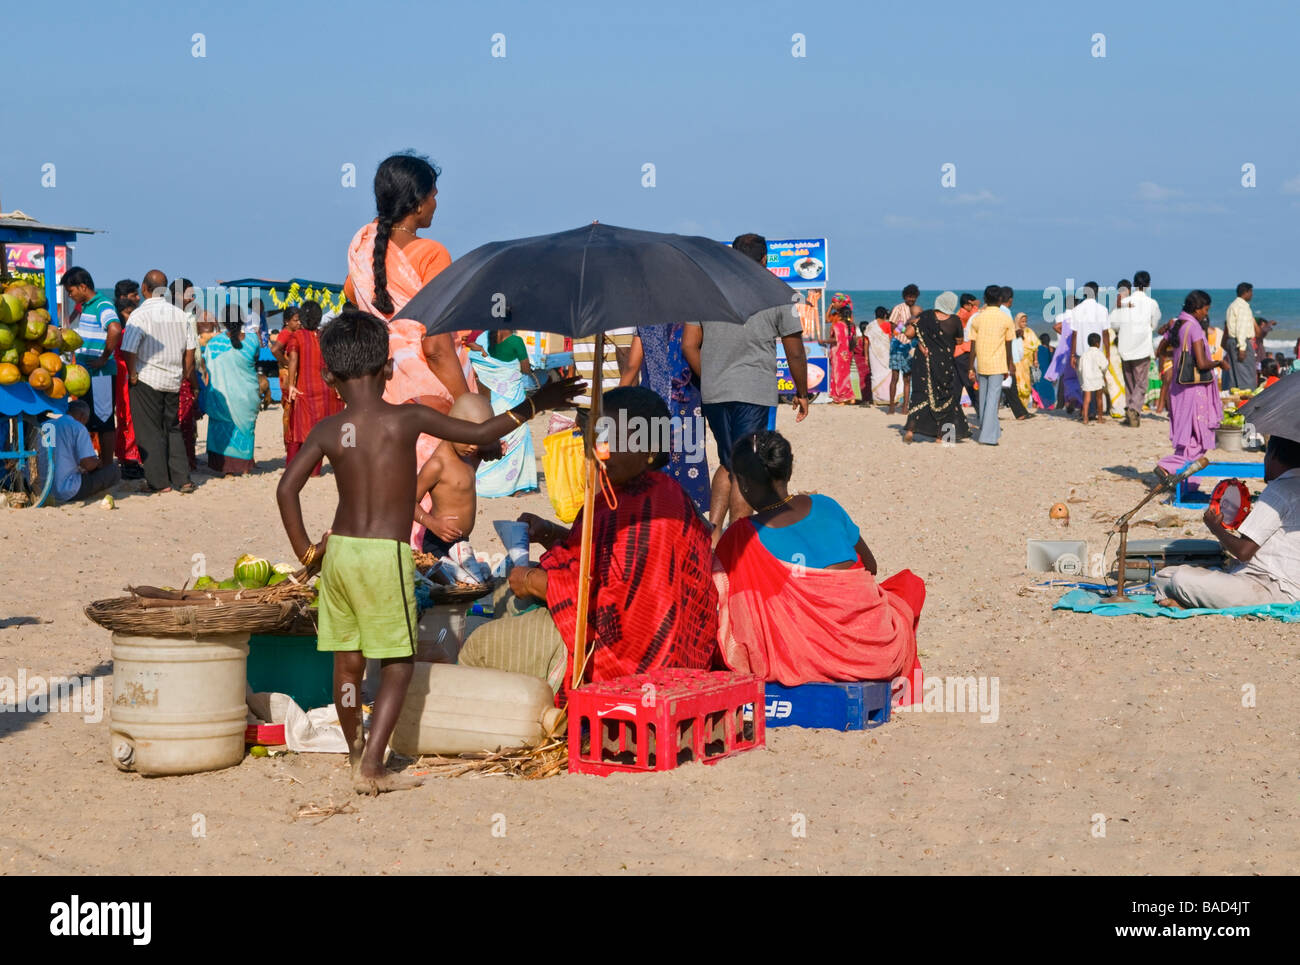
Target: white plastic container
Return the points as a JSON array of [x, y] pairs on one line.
[[178, 703], [451, 709]]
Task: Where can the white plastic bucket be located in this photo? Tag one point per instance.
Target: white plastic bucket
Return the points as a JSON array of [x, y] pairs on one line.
[[178, 703]]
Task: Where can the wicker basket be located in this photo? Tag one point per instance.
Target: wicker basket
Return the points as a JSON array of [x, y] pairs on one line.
[[128, 615]]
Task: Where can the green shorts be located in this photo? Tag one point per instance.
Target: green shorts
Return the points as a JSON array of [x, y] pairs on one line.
[[367, 597]]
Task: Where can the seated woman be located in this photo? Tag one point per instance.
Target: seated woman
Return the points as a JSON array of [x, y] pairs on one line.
[[652, 601], [798, 596]]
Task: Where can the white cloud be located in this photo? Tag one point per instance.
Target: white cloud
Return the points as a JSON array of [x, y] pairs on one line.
[[1292, 186], [983, 196], [1150, 191]]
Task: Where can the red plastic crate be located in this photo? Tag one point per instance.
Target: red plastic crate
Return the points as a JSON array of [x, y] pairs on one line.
[[626, 720]]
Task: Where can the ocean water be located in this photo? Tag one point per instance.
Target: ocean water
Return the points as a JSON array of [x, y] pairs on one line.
[[1280, 304]]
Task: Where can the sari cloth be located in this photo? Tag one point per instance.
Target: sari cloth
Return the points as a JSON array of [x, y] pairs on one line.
[[316, 400], [408, 270], [879, 336], [1195, 411], [1044, 389], [516, 470], [231, 399], [124, 446], [1062, 368], [665, 371], [935, 405], [796, 625], [653, 603], [1028, 362], [841, 361]]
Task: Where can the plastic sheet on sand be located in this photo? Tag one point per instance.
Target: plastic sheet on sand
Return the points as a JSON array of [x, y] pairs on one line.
[[1083, 601]]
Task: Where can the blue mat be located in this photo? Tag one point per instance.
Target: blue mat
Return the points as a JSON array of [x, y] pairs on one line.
[[1082, 601]]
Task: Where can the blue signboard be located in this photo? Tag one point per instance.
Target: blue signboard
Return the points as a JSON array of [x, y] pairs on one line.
[[799, 262]]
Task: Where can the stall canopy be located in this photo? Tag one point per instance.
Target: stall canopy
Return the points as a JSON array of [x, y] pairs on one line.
[[17, 228], [249, 288]]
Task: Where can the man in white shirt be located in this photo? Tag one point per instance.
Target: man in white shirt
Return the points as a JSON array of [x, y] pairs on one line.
[[1267, 545], [158, 344], [1239, 341], [1142, 302], [78, 472], [1133, 330], [1088, 316]]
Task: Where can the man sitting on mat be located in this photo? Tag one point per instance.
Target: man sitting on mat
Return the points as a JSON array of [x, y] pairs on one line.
[[1267, 545]]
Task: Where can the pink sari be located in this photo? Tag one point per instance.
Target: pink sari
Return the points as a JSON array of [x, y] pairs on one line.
[[841, 364], [412, 377]]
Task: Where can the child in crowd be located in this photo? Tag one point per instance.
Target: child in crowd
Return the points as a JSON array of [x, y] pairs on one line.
[[1270, 372], [901, 349], [366, 590], [448, 479], [1092, 376]]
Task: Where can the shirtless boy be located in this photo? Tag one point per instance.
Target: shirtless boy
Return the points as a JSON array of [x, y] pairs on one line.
[[448, 479], [366, 589]]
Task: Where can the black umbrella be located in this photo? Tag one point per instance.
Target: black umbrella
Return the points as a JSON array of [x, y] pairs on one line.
[[583, 282], [594, 278], [1276, 410]]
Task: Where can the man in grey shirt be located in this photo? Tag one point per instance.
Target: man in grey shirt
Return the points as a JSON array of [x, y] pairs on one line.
[[736, 365]]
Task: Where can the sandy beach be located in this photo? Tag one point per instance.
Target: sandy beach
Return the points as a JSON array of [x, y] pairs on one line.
[[1139, 721]]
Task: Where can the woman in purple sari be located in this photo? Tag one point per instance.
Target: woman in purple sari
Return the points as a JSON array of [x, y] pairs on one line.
[[657, 353], [1195, 411], [1069, 396]]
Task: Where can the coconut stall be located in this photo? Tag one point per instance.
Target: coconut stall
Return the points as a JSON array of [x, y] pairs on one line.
[[37, 371]]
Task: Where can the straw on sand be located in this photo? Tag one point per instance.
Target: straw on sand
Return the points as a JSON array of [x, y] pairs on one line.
[[547, 758]]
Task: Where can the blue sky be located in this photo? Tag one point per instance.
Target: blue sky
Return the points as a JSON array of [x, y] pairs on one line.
[[1067, 165]]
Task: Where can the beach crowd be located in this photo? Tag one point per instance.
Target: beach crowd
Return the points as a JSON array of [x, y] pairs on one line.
[[691, 568]]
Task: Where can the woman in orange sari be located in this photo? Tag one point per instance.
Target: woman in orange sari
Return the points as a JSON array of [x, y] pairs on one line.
[[388, 263]]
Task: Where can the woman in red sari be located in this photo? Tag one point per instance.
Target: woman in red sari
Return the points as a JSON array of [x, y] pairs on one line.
[[311, 398], [652, 600], [126, 298], [798, 595]]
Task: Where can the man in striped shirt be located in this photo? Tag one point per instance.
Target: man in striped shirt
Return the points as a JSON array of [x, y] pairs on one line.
[[159, 345], [95, 319]]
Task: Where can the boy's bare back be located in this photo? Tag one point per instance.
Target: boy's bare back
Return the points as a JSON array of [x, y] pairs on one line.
[[372, 451]]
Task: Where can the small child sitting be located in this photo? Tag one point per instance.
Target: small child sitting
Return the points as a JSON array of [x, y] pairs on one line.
[[1092, 376], [448, 480]]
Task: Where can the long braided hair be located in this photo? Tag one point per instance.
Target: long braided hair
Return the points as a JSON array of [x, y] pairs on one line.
[[401, 183]]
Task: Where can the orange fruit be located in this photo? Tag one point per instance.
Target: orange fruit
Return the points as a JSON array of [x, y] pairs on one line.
[[30, 361], [40, 380], [51, 363], [57, 389]]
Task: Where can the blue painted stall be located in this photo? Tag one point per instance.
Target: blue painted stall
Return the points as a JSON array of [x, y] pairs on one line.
[[21, 405]]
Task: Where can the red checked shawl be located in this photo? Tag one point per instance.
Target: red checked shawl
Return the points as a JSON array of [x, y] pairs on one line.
[[653, 602]]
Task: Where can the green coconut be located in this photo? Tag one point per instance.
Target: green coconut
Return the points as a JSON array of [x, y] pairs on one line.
[[205, 583], [252, 571]]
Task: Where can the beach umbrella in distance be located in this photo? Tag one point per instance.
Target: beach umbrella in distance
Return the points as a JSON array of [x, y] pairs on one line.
[[583, 282], [1276, 410]]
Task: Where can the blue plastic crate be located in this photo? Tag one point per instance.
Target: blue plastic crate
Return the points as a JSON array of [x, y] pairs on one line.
[[838, 706]]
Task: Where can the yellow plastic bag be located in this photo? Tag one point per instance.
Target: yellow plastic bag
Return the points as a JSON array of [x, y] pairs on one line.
[[564, 464]]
